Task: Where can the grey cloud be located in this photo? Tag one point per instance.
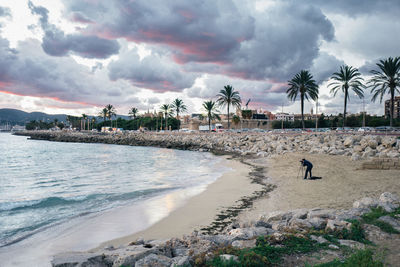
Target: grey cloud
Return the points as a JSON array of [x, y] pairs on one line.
[[355, 7], [225, 37], [56, 43], [153, 72], [31, 72], [153, 100], [324, 66], [5, 12], [79, 17]]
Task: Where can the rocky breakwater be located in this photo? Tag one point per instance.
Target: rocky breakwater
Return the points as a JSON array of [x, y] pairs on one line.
[[279, 237], [355, 146]]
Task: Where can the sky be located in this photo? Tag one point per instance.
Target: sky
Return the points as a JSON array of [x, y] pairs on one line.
[[76, 56]]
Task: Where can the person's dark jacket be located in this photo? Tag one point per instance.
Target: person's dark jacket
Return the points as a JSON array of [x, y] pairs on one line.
[[307, 163]]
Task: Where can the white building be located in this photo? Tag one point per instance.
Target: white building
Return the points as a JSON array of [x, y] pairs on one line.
[[284, 117]]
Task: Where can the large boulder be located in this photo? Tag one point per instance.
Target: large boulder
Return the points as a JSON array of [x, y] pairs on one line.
[[366, 202], [337, 225], [389, 201], [154, 260]]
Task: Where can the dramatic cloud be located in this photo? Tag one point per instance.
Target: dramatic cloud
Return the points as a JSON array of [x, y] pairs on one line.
[[154, 72], [231, 39], [28, 71], [56, 43]]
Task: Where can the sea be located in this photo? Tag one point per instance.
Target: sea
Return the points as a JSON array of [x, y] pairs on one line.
[[49, 189]]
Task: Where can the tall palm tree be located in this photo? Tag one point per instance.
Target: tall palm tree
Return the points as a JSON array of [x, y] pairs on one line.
[[212, 112], [347, 78], [178, 106], [133, 112], [103, 114], [111, 112], [84, 118], [227, 97], [386, 79], [303, 84], [166, 109]]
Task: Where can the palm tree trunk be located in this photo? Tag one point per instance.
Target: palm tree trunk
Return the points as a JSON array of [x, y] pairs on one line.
[[209, 124], [179, 121], [302, 110], [345, 108], [166, 121], [391, 106], [229, 125]]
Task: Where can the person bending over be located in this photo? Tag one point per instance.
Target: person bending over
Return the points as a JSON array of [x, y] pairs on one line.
[[309, 166]]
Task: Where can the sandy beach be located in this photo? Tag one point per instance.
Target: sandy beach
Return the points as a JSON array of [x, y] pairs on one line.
[[200, 210], [342, 183]]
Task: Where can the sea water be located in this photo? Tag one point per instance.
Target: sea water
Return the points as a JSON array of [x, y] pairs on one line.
[[45, 184]]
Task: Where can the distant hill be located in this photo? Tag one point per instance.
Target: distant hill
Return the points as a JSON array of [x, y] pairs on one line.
[[15, 116]]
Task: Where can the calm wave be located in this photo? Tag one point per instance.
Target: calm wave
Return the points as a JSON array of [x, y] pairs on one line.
[[45, 183]]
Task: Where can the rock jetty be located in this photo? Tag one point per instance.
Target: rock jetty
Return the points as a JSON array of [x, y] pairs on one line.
[[262, 145], [332, 230]]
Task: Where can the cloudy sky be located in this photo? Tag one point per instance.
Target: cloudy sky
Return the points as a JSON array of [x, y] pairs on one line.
[[75, 56]]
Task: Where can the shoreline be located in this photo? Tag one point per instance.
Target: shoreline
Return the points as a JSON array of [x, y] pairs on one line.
[[280, 154], [200, 210]]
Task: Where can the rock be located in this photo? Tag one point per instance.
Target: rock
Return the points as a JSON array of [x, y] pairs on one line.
[[372, 143], [388, 197], [244, 243], [247, 233], [82, 259], [300, 224], [348, 141], [299, 214], [317, 223], [351, 244], [336, 225], [321, 213], [374, 233], [333, 246], [181, 261], [228, 257], [319, 239], [390, 220], [355, 156], [366, 202], [357, 149], [278, 216], [154, 260]]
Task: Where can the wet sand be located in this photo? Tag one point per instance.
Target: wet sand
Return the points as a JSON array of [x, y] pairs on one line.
[[200, 210]]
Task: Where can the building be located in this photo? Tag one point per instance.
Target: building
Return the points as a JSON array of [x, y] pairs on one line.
[[396, 113], [284, 117]]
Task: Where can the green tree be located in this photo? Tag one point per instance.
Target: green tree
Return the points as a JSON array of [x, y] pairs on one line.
[[111, 112], [166, 109], [84, 118], [303, 84], [235, 119], [229, 97], [103, 114], [178, 107], [347, 78], [133, 112], [212, 112], [387, 78]]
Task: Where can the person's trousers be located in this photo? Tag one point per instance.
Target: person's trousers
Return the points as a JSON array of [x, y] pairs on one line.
[[308, 170]]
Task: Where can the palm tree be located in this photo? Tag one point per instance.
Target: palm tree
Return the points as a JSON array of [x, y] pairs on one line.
[[133, 112], [84, 118], [103, 114], [227, 97], [347, 78], [111, 112], [235, 119], [212, 112], [178, 106], [166, 109], [303, 84], [386, 79]]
